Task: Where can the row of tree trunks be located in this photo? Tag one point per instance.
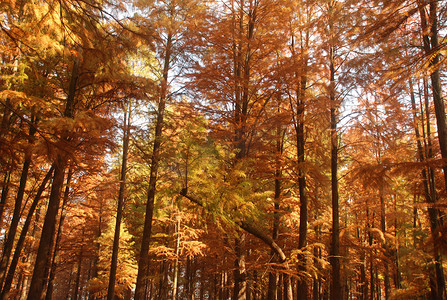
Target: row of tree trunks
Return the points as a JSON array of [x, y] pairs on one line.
[[428, 11], [8, 245], [21, 241]]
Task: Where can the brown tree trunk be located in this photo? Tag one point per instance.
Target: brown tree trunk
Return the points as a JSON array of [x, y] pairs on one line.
[[383, 229], [53, 267], [176, 262], [336, 289], [4, 195], [119, 211], [78, 271], [302, 241], [48, 230], [273, 278], [240, 271]]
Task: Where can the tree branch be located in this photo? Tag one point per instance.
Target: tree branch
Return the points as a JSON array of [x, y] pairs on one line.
[[245, 226]]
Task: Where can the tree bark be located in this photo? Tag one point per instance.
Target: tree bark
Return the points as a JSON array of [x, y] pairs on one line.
[[176, 263], [4, 195], [143, 262], [273, 278], [78, 270], [300, 144], [53, 266], [119, 211], [48, 230], [240, 271], [336, 290]]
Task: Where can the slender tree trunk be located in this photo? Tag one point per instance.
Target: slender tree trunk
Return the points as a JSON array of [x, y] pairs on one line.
[[241, 80], [336, 290], [383, 229], [398, 276], [189, 279], [4, 127], [240, 271], [273, 280], [143, 262], [302, 241], [48, 230], [21, 241], [95, 259], [176, 263], [298, 122], [370, 224], [78, 271], [53, 266], [4, 195], [363, 280], [163, 283], [119, 211]]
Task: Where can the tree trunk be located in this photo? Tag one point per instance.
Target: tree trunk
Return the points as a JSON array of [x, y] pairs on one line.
[[119, 211], [95, 260], [273, 278], [48, 230], [384, 246], [370, 224], [53, 266], [336, 290], [240, 271], [176, 263], [4, 195], [143, 262], [298, 119], [397, 276], [78, 271]]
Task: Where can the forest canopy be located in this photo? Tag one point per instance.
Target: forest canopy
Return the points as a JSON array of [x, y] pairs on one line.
[[230, 149]]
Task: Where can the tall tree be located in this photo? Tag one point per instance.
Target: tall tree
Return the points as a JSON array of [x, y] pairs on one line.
[[336, 285], [120, 200], [171, 35]]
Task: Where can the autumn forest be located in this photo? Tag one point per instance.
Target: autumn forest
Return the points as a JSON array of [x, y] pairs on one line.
[[227, 149]]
